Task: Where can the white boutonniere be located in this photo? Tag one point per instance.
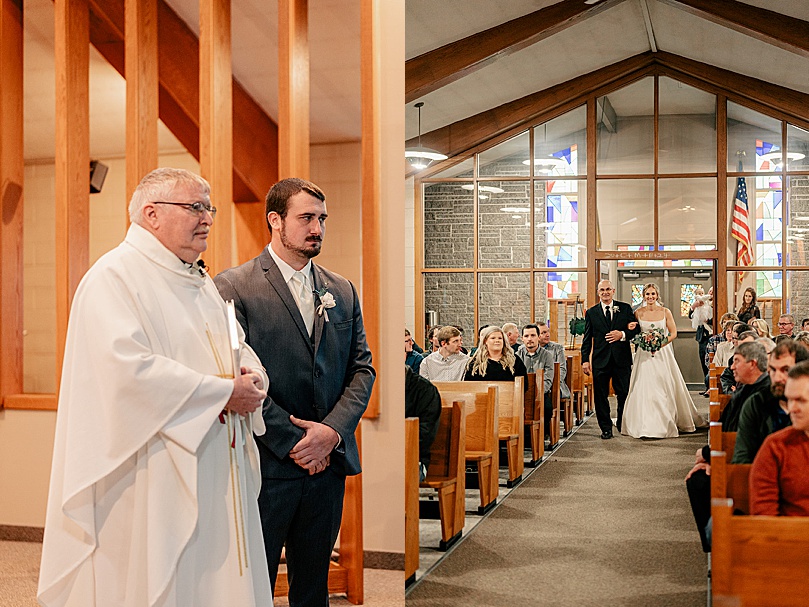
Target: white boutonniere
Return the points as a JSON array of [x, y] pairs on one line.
[[615, 309], [326, 301]]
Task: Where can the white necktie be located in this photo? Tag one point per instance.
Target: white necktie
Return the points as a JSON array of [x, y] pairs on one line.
[[306, 300]]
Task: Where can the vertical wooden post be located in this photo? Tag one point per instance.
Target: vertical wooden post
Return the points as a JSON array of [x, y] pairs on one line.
[[216, 126], [371, 186], [72, 52], [293, 89], [11, 199], [720, 295], [141, 90]]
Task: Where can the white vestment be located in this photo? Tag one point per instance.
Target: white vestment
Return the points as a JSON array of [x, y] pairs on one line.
[[143, 509]]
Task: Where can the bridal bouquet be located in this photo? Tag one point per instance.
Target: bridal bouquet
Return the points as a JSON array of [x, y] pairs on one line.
[[651, 340]]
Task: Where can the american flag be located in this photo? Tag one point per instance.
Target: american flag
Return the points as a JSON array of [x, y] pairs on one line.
[[740, 226]]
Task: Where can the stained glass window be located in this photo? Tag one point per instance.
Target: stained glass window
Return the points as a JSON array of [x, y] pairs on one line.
[[687, 295], [769, 284], [561, 285], [637, 295], [562, 223]]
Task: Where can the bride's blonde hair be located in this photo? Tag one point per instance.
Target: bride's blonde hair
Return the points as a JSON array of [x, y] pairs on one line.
[[651, 285]]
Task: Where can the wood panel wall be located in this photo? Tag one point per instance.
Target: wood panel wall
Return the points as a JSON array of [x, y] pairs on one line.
[[293, 89]]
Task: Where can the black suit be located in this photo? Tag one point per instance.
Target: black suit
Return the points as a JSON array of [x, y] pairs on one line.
[[610, 361], [325, 378]]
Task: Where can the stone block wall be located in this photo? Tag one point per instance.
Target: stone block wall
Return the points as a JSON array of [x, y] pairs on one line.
[[504, 239], [504, 297], [452, 295], [448, 226]]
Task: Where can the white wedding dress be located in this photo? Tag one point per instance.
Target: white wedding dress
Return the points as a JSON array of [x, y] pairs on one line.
[[658, 404]]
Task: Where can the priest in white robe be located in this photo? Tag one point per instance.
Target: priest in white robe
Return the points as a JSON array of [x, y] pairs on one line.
[[155, 471]]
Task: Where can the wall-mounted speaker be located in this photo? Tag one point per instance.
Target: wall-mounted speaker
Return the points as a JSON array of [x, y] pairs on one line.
[[98, 173]]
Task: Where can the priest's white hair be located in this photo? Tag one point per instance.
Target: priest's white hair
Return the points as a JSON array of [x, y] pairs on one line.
[[159, 185]]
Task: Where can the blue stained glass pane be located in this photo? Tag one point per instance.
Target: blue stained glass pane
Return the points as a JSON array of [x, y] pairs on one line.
[[776, 275], [554, 276], [564, 254], [551, 264], [776, 198], [550, 213], [779, 259], [555, 201], [575, 205], [760, 232]]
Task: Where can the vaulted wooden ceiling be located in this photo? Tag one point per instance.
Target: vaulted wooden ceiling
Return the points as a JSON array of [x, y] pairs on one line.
[[482, 72]]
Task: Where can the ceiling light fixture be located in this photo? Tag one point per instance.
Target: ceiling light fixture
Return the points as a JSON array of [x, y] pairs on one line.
[[775, 157], [421, 157], [515, 210], [483, 188]]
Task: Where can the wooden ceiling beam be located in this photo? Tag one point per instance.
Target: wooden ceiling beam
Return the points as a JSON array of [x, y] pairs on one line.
[[255, 135], [774, 28], [442, 66], [466, 134]]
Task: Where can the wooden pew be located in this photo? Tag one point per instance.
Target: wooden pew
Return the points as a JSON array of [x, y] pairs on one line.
[[411, 498], [511, 414], [556, 398], [721, 441], [758, 561], [482, 446], [575, 384], [565, 404], [447, 471], [534, 416], [713, 376], [718, 402], [730, 481]]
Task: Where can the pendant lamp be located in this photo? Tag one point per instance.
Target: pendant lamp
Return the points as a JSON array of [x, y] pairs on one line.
[[421, 157]]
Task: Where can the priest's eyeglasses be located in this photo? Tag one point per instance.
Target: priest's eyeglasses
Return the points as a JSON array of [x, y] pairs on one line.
[[198, 208]]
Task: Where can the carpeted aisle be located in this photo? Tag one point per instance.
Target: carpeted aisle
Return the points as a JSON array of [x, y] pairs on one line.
[[602, 523]]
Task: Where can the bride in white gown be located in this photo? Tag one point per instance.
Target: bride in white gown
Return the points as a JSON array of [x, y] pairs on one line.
[[658, 404]]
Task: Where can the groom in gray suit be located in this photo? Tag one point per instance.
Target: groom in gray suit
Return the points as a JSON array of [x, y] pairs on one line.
[[305, 324]]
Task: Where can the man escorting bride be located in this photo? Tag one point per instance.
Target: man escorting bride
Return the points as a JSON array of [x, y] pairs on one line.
[[658, 404]]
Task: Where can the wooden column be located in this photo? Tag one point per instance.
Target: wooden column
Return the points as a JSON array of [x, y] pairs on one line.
[[72, 201], [11, 200], [216, 126], [371, 187], [141, 90], [293, 88]]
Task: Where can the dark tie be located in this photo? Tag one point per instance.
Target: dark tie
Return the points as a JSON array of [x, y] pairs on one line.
[[608, 314]]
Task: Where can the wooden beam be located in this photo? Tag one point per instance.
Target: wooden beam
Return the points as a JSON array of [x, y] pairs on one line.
[[72, 183], [465, 134], [11, 198], [774, 28], [216, 126], [787, 103], [141, 91], [45, 402], [293, 88], [442, 66], [255, 135], [371, 226]]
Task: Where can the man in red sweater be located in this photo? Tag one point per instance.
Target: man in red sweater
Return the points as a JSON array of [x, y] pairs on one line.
[[779, 485]]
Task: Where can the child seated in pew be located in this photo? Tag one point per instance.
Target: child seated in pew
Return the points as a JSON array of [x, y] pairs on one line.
[[422, 400], [779, 484]]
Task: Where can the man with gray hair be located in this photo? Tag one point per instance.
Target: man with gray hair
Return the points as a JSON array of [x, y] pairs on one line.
[[786, 324], [448, 363], [151, 496], [512, 333]]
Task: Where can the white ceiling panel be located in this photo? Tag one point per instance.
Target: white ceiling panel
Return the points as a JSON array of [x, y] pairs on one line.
[[599, 41], [432, 24], [690, 36]]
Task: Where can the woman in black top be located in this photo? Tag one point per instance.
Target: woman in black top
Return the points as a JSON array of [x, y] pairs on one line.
[[749, 309], [493, 360]]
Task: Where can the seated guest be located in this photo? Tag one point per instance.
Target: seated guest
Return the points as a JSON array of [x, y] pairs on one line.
[[750, 370], [448, 363], [535, 358], [557, 352], [715, 340], [766, 412], [779, 484], [761, 326], [805, 324], [494, 359], [412, 358], [802, 337], [432, 344], [422, 400], [460, 330], [786, 324], [727, 382], [480, 331], [724, 351], [512, 335]]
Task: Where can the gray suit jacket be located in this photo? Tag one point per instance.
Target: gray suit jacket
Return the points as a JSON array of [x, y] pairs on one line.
[[326, 378]]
